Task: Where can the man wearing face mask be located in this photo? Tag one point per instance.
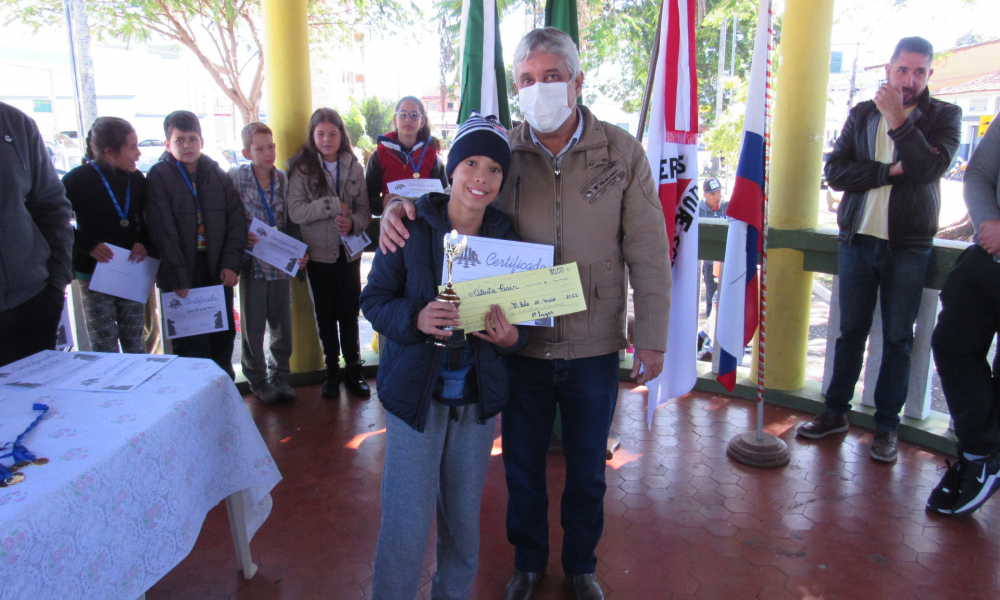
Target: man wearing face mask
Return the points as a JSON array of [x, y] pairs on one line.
[[585, 187]]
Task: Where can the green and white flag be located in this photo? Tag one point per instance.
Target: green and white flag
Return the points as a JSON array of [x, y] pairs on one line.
[[484, 86], [562, 15]]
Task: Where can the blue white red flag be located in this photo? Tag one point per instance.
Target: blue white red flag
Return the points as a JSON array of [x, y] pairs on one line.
[[673, 157], [738, 298]]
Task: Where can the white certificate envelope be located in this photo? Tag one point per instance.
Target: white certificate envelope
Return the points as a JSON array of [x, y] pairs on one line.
[[415, 188], [277, 249], [355, 243], [123, 279], [203, 311], [487, 257]]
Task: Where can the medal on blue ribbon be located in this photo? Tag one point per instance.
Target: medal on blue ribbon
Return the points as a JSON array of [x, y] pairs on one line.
[[114, 201]]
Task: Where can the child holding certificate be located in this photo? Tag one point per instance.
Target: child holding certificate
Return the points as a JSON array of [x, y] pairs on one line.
[[326, 197], [108, 194], [440, 403], [265, 292], [197, 223]]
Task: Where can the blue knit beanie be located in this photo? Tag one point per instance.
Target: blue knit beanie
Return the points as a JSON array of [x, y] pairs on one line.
[[480, 136]]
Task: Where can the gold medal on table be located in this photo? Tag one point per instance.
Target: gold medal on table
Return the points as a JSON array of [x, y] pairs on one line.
[[123, 222], [22, 464], [40, 461], [416, 175], [14, 479]]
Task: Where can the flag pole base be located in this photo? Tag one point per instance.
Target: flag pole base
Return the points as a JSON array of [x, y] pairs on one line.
[[769, 452]]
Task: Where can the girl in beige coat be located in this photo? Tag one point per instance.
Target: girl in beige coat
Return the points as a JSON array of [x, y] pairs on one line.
[[328, 199]]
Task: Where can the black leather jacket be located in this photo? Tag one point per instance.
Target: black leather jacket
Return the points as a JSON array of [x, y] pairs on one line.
[[925, 143]]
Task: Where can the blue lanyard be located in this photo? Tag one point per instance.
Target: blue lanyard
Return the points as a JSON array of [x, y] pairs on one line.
[[409, 155], [187, 180], [107, 186], [21, 455], [267, 206], [337, 191]]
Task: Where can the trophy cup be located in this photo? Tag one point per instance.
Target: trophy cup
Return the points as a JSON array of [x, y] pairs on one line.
[[453, 247]]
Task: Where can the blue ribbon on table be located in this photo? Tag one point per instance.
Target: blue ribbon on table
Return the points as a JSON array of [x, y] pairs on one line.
[[19, 452]]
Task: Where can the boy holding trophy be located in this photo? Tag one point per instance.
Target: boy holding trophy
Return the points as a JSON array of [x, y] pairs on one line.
[[441, 390]]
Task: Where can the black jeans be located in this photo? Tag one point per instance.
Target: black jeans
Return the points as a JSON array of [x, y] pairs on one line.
[[711, 285], [336, 296], [967, 324], [217, 346], [31, 326]]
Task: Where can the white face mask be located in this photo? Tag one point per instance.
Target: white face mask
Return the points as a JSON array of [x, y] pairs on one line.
[[545, 105]]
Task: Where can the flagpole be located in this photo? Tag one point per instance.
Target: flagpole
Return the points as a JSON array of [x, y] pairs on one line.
[[647, 93], [762, 335], [757, 448]]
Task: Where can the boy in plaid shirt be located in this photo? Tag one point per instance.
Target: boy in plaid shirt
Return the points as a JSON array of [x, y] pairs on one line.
[[265, 292]]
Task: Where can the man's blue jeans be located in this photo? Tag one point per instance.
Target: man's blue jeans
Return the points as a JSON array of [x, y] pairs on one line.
[[586, 391], [869, 268]]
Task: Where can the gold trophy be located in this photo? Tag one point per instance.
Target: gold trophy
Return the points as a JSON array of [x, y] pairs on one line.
[[453, 247]]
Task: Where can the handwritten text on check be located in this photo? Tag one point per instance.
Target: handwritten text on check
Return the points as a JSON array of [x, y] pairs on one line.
[[523, 296]]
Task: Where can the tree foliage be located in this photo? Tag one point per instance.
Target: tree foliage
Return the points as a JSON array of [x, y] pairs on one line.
[[620, 39], [224, 35]]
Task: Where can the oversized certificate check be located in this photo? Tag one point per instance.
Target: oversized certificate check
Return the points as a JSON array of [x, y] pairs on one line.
[[275, 248], [123, 279], [524, 296], [203, 311], [414, 188], [487, 257]]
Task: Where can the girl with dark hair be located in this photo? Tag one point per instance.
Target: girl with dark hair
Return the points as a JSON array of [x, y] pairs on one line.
[[108, 194], [326, 197], [408, 152]]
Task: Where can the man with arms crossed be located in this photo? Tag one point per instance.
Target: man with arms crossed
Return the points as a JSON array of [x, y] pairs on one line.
[[585, 187], [889, 160]]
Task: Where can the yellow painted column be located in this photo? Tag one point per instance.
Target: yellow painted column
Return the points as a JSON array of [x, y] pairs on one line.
[[289, 92], [803, 67]]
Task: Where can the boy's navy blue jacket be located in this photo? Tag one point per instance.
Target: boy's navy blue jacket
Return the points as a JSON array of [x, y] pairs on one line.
[[400, 284]]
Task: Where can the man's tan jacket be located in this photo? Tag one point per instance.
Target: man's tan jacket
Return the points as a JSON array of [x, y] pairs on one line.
[[601, 211]]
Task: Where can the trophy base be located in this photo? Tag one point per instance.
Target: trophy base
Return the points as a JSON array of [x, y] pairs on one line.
[[455, 340]]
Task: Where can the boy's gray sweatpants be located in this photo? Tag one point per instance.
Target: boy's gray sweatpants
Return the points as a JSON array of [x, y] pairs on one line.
[[445, 465], [263, 304]]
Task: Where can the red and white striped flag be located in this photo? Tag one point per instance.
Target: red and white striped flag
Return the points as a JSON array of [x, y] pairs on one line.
[[673, 157]]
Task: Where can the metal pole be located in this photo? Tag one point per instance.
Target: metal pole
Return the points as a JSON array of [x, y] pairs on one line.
[[721, 71], [647, 93], [83, 67]]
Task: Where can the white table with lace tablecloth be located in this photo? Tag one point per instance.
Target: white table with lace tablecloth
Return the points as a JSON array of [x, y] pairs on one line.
[[130, 480]]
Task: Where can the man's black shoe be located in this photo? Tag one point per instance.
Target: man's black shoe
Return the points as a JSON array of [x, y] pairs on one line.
[[522, 585], [585, 587], [331, 387], [943, 497], [354, 380], [980, 480]]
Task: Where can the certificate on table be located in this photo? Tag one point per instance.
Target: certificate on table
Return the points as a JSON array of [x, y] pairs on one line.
[[488, 257], [548, 292], [415, 188], [277, 249], [45, 367], [116, 373], [203, 311], [124, 279]]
